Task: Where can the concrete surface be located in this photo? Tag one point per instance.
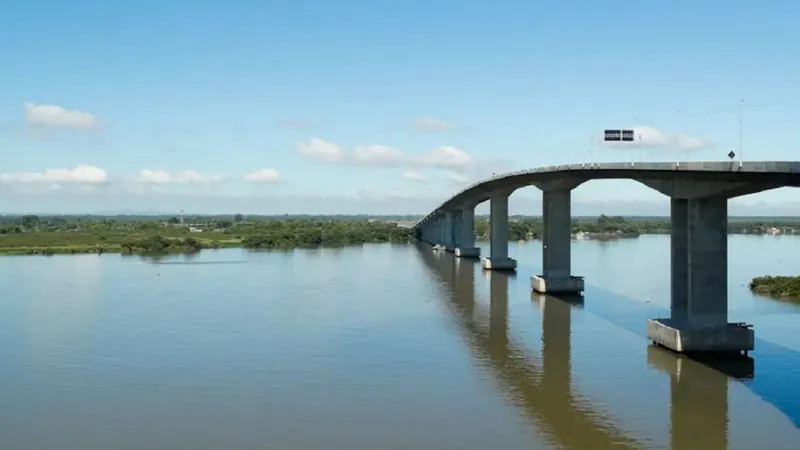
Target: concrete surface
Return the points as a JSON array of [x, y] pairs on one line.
[[682, 337], [557, 285], [499, 263]]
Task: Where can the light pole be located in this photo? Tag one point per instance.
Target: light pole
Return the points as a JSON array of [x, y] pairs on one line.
[[635, 134]]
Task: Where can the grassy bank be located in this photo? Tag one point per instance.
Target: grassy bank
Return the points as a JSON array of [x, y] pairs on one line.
[[780, 287]]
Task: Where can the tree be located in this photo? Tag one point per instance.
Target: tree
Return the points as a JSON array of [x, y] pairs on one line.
[[238, 218], [30, 221]]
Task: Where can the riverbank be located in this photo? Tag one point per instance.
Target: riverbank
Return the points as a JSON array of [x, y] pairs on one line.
[[41, 235], [778, 287], [155, 237]]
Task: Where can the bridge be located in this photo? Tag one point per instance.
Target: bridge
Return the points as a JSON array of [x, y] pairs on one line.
[[699, 194]]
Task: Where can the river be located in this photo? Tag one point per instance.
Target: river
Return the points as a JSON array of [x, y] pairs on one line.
[[382, 347]]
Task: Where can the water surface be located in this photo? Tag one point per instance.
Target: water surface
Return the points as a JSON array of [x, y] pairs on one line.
[[380, 346]]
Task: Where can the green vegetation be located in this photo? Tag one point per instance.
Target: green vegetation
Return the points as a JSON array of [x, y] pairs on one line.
[[31, 234], [607, 227], [782, 287]]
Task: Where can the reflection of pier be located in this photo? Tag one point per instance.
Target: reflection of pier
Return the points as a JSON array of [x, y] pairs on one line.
[[698, 397], [542, 388]]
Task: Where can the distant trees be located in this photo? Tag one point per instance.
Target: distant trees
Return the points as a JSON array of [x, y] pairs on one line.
[[315, 233]]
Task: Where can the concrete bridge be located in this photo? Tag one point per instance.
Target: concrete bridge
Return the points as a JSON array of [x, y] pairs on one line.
[[699, 194]]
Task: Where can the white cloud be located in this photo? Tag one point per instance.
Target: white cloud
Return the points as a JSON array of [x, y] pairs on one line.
[[415, 176], [382, 155], [263, 176], [456, 177], [80, 174], [431, 124], [322, 150], [445, 157], [56, 116], [378, 155], [149, 176], [649, 137]]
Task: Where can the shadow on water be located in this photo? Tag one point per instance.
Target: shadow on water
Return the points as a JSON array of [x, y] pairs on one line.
[[770, 373], [540, 386]]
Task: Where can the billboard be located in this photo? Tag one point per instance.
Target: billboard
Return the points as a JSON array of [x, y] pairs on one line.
[[613, 135], [619, 136], [627, 135]]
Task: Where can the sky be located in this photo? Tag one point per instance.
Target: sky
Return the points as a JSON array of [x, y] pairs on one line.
[[379, 106]]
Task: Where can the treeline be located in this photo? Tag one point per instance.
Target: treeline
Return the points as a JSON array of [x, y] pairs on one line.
[[45, 235], [33, 234], [317, 233], [521, 228], [603, 226]]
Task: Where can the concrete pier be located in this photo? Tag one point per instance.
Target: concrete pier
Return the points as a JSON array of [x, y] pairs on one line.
[[448, 233], [498, 224], [465, 234], [698, 319], [556, 246]]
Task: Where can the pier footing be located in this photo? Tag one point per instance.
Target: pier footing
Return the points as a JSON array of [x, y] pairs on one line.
[[499, 263], [682, 337], [473, 252], [561, 285]]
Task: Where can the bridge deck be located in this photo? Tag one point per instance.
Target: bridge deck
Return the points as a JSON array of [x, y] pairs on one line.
[[783, 172]]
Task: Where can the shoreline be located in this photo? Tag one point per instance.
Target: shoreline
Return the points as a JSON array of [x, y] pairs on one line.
[[205, 244]]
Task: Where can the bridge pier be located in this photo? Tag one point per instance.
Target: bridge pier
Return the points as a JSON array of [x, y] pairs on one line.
[[448, 225], [465, 233], [498, 225], [438, 232], [699, 281], [556, 246]]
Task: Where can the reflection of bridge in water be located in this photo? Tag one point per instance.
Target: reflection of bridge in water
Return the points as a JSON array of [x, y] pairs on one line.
[[542, 387]]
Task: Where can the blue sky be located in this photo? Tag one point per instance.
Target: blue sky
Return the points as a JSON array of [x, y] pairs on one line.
[[378, 106]]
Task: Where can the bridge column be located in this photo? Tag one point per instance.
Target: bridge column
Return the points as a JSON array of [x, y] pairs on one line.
[[699, 280], [448, 232], [498, 228], [465, 234], [556, 246], [437, 233], [426, 232]]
